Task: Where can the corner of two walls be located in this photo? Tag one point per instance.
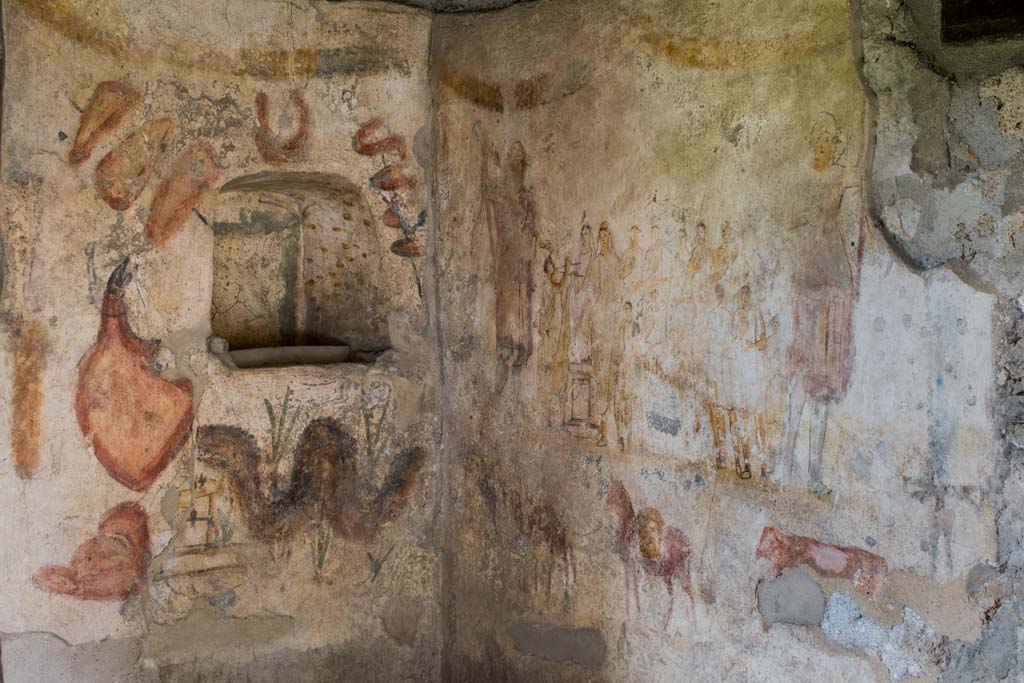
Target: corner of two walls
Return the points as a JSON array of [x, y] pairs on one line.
[[681, 380]]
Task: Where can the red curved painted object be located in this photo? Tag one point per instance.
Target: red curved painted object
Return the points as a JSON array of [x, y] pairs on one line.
[[122, 174], [189, 177], [109, 104], [110, 564], [135, 420]]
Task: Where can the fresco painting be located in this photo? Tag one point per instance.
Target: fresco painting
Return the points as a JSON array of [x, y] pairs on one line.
[[123, 173], [326, 478], [511, 234], [110, 103], [647, 543], [134, 419], [866, 569], [108, 566], [692, 310], [188, 178], [605, 297], [681, 337], [272, 148], [395, 185]]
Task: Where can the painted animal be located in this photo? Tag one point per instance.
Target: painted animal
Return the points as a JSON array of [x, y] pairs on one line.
[[325, 477], [866, 569], [531, 520], [645, 542]]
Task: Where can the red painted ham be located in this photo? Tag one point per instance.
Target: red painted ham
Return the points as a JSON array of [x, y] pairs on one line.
[[122, 174], [110, 564], [135, 420], [108, 105], [189, 177]]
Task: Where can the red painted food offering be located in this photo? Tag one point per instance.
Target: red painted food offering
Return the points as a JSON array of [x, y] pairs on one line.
[[135, 420], [122, 174], [406, 247], [190, 176], [107, 107], [373, 138], [272, 148], [391, 219], [865, 569], [110, 564], [391, 178]]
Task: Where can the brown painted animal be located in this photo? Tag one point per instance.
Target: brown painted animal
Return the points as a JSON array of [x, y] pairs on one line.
[[109, 565], [645, 542], [532, 521], [326, 474]]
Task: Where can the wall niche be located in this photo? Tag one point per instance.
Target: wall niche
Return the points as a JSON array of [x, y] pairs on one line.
[[297, 262]]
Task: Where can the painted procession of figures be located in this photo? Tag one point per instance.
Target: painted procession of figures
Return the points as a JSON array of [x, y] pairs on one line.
[[695, 318]]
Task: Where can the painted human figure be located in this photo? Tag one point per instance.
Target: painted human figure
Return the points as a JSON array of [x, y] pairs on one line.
[[826, 282], [652, 259], [720, 383], [512, 230], [632, 262], [554, 323], [723, 255], [580, 296], [699, 257], [678, 314], [749, 342], [605, 273], [623, 366]]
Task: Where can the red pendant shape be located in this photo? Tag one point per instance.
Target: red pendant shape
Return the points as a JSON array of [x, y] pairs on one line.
[[122, 174], [135, 420]]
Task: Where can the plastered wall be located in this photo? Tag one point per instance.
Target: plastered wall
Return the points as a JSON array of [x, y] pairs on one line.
[[716, 424], [668, 340], [258, 170]]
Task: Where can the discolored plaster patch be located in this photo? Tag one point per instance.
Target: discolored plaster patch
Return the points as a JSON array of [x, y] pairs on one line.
[[1006, 89], [583, 646], [910, 648], [793, 597], [38, 657]]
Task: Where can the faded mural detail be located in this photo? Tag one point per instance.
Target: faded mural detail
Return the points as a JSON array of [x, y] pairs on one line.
[[628, 380], [110, 565], [662, 551], [510, 225], [181, 181], [134, 419], [669, 311], [108, 105], [865, 569]]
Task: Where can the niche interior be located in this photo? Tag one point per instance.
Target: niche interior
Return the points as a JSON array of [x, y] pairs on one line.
[[297, 271]]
